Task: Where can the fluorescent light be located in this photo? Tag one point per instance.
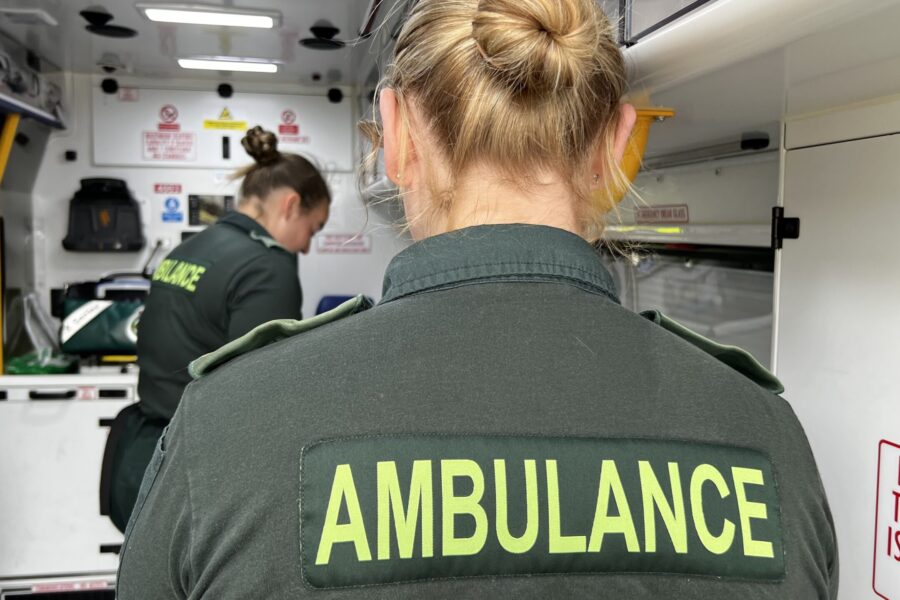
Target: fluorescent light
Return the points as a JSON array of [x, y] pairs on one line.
[[207, 15], [228, 65]]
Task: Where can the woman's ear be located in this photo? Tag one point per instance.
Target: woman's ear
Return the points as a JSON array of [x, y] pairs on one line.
[[289, 205], [627, 118], [398, 153], [389, 125]]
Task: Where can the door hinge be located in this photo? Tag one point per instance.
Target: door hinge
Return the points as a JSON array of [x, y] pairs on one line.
[[783, 228]]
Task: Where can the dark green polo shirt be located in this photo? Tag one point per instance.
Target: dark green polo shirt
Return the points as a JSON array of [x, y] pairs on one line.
[[497, 427], [213, 288]]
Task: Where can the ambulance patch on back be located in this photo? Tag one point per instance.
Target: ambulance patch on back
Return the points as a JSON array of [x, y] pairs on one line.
[[180, 274], [390, 509]]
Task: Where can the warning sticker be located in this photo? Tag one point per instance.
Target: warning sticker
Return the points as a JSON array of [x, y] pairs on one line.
[[225, 121], [169, 145], [166, 188], [343, 243], [288, 123], [664, 213], [129, 94], [289, 130], [886, 567], [172, 212], [168, 115]]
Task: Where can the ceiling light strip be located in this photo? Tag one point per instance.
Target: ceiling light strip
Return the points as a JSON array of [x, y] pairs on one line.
[[227, 65]]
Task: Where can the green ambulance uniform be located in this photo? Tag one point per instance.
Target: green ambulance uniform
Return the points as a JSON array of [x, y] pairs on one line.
[[213, 288], [497, 427]]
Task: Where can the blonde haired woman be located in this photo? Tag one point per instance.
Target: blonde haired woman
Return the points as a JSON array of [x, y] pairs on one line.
[[498, 426]]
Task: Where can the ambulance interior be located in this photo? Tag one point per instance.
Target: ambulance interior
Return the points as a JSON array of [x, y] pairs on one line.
[[765, 216]]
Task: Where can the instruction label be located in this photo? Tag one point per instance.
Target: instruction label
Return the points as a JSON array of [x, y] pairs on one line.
[[886, 567], [169, 145], [343, 243], [173, 212], [664, 213], [225, 121]]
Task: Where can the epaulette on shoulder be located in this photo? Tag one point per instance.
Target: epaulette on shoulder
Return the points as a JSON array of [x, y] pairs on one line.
[[738, 359], [271, 332]]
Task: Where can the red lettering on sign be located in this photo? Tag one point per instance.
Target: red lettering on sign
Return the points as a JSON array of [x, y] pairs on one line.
[[662, 214], [166, 188], [288, 129], [886, 567], [174, 146], [896, 506]]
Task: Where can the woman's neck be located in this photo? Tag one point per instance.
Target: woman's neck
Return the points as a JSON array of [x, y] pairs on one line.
[[481, 198]]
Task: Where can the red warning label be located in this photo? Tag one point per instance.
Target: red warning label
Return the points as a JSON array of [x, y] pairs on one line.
[[664, 213], [169, 145], [289, 130], [886, 565], [166, 188], [168, 115], [343, 243]]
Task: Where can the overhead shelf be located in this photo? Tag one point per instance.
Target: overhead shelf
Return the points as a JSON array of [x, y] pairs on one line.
[[725, 32]]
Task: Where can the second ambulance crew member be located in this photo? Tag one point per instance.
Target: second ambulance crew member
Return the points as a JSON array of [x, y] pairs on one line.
[[213, 288]]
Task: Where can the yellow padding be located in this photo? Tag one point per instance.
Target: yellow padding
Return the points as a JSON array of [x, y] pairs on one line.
[[118, 358], [637, 145]]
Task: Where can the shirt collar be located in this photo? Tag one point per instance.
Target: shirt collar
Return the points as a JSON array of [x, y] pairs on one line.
[[252, 228], [489, 253], [244, 223]]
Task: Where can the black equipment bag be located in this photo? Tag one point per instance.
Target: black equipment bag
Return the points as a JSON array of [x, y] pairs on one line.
[[104, 217]]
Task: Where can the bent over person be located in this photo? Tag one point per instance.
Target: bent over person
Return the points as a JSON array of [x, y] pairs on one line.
[[498, 426], [213, 288]]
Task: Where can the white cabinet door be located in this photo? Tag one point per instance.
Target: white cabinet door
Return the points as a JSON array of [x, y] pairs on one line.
[[50, 522], [838, 342]]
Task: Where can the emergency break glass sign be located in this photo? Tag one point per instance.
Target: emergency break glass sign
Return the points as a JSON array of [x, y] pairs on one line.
[[886, 570]]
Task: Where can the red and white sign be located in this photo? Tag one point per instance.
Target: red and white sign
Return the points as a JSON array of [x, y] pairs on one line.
[[288, 126], [166, 188], [886, 566], [169, 145], [664, 213], [168, 115], [87, 392], [128, 94], [343, 243]]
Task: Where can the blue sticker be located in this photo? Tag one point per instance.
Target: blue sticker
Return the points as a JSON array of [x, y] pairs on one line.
[[172, 214]]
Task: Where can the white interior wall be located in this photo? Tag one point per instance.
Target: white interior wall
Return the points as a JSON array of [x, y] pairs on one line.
[[57, 181], [725, 192]]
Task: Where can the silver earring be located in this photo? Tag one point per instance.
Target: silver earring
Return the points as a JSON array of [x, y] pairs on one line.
[[596, 178]]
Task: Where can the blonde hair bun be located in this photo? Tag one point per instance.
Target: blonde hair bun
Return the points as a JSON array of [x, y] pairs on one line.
[[537, 45], [262, 145]]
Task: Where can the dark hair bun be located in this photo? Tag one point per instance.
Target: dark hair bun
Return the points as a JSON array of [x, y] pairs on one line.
[[262, 145]]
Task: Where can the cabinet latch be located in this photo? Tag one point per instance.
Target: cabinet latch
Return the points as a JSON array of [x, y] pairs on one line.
[[783, 228]]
